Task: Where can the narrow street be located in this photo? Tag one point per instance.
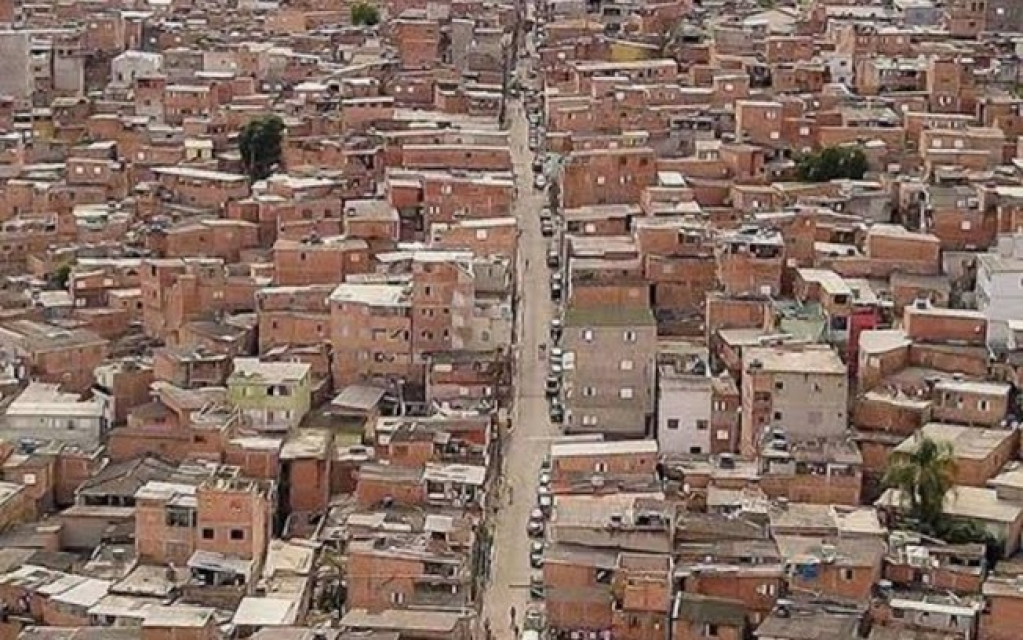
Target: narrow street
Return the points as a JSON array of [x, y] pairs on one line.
[[532, 431]]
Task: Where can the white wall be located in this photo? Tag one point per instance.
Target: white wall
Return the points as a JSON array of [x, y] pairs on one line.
[[686, 399]]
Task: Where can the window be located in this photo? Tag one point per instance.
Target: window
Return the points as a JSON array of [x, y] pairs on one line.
[[589, 421], [600, 180], [177, 517], [767, 589], [696, 450], [587, 335], [701, 425], [237, 534], [673, 423], [625, 393], [207, 534], [983, 405], [710, 630], [777, 415], [779, 385], [589, 392], [397, 597], [625, 365], [629, 336], [600, 467], [847, 574]]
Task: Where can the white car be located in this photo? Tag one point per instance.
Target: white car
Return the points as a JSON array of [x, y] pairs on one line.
[[545, 479], [546, 501], [540, 182]]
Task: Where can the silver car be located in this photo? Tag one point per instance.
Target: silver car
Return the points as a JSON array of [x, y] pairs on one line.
[[535, 526]]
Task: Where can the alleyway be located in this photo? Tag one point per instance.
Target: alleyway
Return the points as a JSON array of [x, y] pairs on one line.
[[532, 430]]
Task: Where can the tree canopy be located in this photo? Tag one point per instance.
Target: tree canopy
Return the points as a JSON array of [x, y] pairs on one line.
[[260, 146], [365, 14], [923, 477], [60, 276], [832, 163]]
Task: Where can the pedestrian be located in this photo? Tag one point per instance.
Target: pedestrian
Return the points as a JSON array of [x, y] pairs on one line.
[[511, 499], [512, 612], [515, 630]]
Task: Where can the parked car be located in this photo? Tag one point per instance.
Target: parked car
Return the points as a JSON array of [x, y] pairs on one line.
[[536, 587], [536, 554], [553, 258], [552, 386], [546, 227], [556, 330], [544, 479], [545, 500], [556, 412], [533, 621], [545, 464], [556, 354], [540, 181], [535, 526], [556, 291]]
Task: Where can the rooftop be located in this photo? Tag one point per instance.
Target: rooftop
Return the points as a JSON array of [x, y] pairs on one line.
[[608, 316], [255, 370], [820, 359], [611, 448], [970, 443], [377, 295]]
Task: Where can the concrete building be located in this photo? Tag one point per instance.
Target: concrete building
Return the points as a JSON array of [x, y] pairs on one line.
[[796, 394], [43, 412], [684, 406], [128, 66], [609, 358], [998, 290], [16, 78], [275, 396]]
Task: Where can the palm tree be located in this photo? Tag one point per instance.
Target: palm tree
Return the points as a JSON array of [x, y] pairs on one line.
[[923, 477]]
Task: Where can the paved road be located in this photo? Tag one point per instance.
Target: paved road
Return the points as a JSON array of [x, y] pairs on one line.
[[531, 429]]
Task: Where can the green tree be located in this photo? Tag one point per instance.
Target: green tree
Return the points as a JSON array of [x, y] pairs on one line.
[[365, 14], [832, 163], [59, 278], [923, 477], [260, 146]]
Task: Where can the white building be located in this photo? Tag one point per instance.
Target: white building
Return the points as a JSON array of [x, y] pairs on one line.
[[684, 398], [43, 412], [128, 66], [999, 288]]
